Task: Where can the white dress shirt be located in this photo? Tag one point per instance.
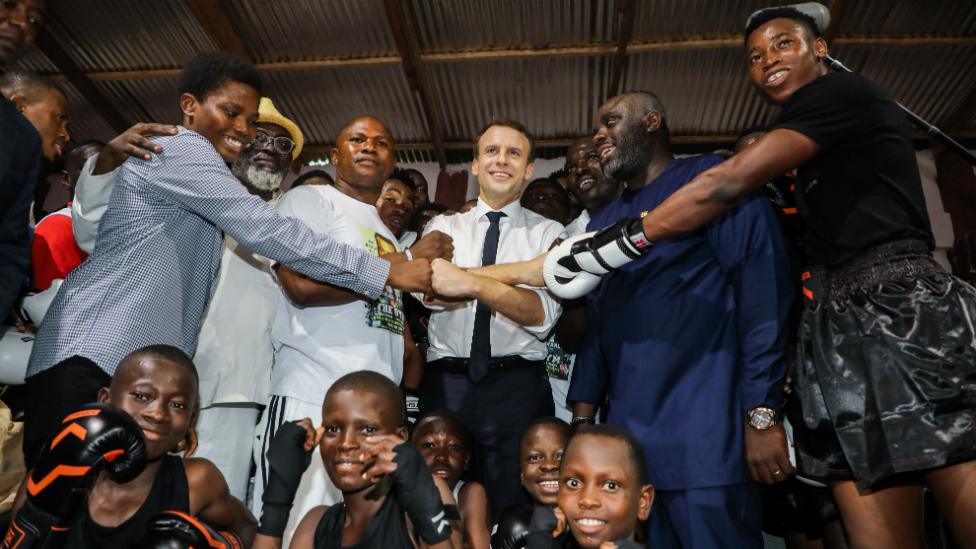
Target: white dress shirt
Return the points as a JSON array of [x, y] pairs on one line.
[[578, 225], [523, 235]]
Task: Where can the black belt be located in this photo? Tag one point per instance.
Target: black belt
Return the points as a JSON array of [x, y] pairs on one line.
[[455, 365], [897, 260]]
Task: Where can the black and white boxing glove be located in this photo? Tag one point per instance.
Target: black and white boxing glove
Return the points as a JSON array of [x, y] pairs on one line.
[[94, 438], [574, 268], [178, 530], [512, 529], [418, 495], [287, 461]]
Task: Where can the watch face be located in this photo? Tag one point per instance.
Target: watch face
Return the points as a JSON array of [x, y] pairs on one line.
[[762, 418]]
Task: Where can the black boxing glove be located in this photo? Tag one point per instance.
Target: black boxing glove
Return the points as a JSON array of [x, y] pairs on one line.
[[178, 530], [512, 529], [96, 437], [287, 461], [417, 494], [541, 525]]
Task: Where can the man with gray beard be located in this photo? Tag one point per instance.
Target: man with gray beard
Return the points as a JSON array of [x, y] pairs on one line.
[[234, 354]]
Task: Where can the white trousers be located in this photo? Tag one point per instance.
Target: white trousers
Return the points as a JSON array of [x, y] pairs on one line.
[[225, 436], [315, 488]]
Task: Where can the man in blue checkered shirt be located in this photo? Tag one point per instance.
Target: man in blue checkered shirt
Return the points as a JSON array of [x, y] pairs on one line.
[[157, 255]]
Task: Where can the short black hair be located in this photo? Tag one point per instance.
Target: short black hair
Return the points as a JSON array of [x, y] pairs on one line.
[[403, 176], [375, 383], [548, 421], [208, 71], [165, 352], [82, 152], [437, 207], [452, 419], [28, 85], [561, 172], [508, 123], [635, 452], [551, 182], [784, 12], [302, 179]]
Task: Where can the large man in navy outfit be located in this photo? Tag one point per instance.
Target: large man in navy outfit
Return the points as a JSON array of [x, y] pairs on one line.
[[688, 341]]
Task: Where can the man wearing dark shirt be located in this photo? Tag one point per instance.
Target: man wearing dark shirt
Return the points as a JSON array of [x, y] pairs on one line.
[[887, 350], [20, 154], [688, 339]]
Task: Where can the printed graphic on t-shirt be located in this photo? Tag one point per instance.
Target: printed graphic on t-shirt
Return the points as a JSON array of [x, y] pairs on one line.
[[386, 311], [559, 363]]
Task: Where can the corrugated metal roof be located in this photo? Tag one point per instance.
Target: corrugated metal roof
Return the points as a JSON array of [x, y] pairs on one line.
[[486, 61], [330, 98], [121, 34], [503, 24], [311, 29]]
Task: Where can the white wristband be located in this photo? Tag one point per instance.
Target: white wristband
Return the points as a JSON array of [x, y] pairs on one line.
[[408, 254]]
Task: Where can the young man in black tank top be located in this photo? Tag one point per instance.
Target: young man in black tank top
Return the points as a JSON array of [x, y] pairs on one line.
[[389, 497], [157, 386]]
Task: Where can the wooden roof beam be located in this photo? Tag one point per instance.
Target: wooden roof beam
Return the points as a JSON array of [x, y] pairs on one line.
[[838, 9], [523, 53], [625, 28], [403, 25], [73, 73], [213, 19]]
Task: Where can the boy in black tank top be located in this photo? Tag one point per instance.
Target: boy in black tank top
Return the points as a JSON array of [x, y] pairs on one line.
[[389, 497], [157, 386]]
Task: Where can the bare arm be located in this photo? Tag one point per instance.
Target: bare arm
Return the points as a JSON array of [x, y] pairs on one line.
[[413, 361], [525, 273], [305, 292], [718, 190], [210, 500], [473, 504], [523, 306]]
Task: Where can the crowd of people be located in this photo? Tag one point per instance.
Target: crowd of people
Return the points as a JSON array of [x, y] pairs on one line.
[[636, 350]]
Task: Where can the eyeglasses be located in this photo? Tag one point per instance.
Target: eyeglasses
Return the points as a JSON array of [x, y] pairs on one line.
[[282, 145]]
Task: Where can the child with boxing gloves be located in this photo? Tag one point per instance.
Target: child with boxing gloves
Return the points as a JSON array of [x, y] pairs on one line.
[[389, 497], [604, 494], [542, 447], [441, 439], [151, 400]]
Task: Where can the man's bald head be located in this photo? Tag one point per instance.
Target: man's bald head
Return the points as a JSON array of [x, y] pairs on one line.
[[360, 120], [643, 102]]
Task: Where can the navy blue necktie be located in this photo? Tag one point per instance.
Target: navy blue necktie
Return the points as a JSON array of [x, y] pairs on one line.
[[481, 339]]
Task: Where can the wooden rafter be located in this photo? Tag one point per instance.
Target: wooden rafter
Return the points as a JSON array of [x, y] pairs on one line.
[[403, 25], [523, 53], [72, 72], [213, 18], [838, 10], [317, 150], [625, 28]]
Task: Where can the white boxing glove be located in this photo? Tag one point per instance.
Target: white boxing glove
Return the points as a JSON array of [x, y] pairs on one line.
[[565, 282], [595, 254]]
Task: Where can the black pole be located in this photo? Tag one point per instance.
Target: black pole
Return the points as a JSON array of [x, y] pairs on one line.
[[932, 131]]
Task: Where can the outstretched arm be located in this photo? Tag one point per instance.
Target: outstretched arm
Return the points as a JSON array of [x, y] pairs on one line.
[[210, 500], [716, 191]]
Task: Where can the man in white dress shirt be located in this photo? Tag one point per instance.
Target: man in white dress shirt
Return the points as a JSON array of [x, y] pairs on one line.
[[487, 339]]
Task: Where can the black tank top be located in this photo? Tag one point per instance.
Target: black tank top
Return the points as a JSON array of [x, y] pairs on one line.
[[388, 529], [169, 491]]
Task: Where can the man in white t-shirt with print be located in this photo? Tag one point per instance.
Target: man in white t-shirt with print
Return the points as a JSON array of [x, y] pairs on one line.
[[322, 332]]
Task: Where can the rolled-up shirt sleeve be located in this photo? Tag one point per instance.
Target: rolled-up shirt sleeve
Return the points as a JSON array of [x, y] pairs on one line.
[[551, 305], [194, 176]]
